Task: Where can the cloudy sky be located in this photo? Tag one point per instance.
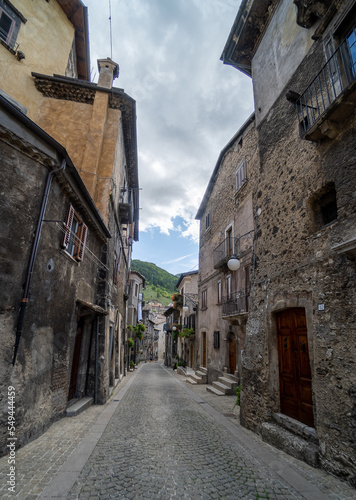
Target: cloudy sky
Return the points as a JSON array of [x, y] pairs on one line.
[[189, 105]]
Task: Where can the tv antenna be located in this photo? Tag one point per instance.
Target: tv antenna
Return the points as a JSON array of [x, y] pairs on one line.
[[110, 29]]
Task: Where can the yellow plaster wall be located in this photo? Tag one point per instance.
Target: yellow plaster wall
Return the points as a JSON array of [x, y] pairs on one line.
[[46, 40], [92, 136]]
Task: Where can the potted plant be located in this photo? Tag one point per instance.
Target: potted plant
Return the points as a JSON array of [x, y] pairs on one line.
[[177, 299], [132, 365], [139, 329], [130, 342]]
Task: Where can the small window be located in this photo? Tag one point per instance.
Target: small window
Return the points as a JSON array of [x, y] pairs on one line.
[[240, 176], [75, 235], [216, 339], [10, 22], [136, 290], [207, 221], [324, 205], [219, 292], [116, 267], [228, 285], [203, 299]]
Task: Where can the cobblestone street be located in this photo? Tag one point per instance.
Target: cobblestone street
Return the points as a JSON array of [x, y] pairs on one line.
[[158, 438]]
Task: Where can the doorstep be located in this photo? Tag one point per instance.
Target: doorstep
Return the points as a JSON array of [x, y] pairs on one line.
[[81, 405]]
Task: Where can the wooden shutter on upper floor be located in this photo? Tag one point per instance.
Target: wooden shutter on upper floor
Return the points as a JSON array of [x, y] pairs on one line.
[[82, 236], [68, 227]]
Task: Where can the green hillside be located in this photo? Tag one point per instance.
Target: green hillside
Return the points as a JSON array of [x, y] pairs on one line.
[[160, 284]]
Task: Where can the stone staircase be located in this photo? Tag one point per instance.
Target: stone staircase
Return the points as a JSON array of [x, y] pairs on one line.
[[224, 385], [198, 377]]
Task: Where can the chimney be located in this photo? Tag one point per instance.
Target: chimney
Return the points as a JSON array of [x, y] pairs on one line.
[[108, 71]]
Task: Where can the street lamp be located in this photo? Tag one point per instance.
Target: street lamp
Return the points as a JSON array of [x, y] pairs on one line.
[[234, 262]]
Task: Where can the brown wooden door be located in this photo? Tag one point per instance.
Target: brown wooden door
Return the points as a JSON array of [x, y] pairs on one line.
[[204, 349], [76, 359], [294, 366], [232, 354]]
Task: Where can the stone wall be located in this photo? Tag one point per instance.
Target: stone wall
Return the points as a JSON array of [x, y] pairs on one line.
[[296, 266]]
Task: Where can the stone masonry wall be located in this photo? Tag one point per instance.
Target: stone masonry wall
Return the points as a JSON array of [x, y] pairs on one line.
[[297, 267]]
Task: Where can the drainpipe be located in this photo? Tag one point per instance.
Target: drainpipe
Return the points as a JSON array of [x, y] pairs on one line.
[[33, 257]]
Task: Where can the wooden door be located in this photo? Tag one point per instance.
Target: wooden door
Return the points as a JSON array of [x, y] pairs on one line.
[[76, 359], [294, 366], [204, 349], [232, 353]]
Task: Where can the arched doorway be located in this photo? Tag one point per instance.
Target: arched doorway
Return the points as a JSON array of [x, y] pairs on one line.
[[294, 366], [232, 352]]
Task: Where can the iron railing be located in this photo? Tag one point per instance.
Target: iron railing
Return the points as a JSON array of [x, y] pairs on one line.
[[337, 74], [235, 303], [223, 252]]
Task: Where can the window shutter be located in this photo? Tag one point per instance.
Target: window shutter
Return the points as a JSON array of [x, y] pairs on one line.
[[82, 240], [67, 227]]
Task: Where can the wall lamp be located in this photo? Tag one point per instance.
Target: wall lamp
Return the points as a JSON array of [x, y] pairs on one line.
[[234, 263]]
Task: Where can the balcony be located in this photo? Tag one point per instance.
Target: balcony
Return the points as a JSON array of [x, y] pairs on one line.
[[223, 252], [331, 96], [235, 306]]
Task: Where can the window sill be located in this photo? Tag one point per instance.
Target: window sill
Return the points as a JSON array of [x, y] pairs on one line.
[[4, 44], [69, 257]]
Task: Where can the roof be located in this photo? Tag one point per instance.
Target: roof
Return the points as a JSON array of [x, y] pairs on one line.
[[139, 275], [215, 173], [77, 14], [183, 275], [251, 20]]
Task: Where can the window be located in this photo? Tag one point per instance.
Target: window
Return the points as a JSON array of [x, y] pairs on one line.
[[228, 285], [136, 290], [216, 339], [207, 221], [219, 292], [351, 46], [10, 22], [116, 267], [203, 299], [75, 235], [229, 242], [240, 176], [324, 205]]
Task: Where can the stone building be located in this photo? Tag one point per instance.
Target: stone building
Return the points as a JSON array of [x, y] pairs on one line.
[[172, 318], [134, 315], [298, 376], [187, 286], [226, 231], [93, 126]]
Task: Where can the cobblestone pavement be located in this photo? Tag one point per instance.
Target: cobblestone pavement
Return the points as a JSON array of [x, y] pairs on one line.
[[160, 438]]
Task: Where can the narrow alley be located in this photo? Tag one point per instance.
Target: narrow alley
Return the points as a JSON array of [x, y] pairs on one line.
[[157, 438]]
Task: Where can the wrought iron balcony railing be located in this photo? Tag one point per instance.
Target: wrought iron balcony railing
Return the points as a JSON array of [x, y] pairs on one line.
[[335, 78], [223, 252], [235, 303]]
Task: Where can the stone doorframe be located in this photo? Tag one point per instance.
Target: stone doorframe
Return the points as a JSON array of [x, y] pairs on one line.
[[276, 306]]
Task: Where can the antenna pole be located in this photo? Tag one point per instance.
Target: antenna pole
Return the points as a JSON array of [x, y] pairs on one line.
[[110, 29]]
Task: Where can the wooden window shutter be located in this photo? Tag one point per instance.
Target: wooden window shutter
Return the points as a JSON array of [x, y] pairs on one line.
[[67, 227], [82, 236]]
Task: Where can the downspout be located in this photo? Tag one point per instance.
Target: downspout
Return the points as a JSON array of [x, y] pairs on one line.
[[33, 257]]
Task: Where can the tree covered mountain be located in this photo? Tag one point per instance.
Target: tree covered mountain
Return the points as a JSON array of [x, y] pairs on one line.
[[160, 284]]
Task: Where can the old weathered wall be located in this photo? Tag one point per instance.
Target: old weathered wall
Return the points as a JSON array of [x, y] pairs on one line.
[[42, 369], [284, 47], [38, 39], [296, 266], [227, 209]]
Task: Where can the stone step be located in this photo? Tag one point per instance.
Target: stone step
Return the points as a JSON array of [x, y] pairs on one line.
[[201, 374], [294, 445], [231, 384], [231, 377], [197, 378], [222, 387], [81, 405], [191, 381], [215, 391], [203, 369]]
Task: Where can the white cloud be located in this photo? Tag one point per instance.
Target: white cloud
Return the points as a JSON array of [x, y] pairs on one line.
[[189, 104]]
